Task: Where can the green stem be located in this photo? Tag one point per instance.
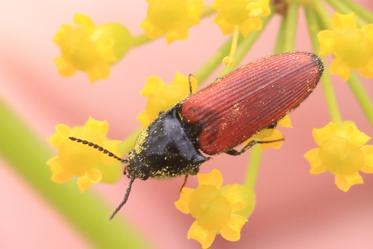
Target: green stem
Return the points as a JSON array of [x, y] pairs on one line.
[[322, 13], [247, 44], [314, 28], [253, 166], [140, 40], [212, 63], [27, 155], [291, 27], [339, 6], [280, 41], [359, 10], [362, 97]]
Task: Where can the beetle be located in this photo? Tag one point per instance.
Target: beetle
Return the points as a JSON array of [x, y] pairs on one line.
[[220, 117]]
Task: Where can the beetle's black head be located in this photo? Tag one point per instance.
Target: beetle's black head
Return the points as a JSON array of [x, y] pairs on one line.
[[137, 168]]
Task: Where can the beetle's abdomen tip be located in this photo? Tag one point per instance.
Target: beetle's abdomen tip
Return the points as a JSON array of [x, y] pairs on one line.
[[320, 65]]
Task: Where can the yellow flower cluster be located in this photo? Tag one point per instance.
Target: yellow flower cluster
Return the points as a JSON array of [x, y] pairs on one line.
[[217, 209], [352, 46], [171, 18], [78, 160], [245, 14], [343, 152], [161, 96], [90, 48]]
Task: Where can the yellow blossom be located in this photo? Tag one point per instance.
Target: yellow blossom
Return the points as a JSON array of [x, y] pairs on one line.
[[343, 152], [161, 96], [171, 18], [217, 209], [352, 46], [246, 14], [90, 48], [272, 134], [78, 160]]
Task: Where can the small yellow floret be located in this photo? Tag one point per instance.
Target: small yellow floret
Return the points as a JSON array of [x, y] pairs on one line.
[[90, 48], [343, 152], [246, 14], [217, 209], [171, 18], [161, 96], [351, 46], [86, 163]]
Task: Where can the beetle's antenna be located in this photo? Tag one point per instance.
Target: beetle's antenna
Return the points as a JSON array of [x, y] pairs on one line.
[[98, 147], [124, 199]]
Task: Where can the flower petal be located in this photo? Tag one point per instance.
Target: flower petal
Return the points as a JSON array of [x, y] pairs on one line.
[[213, 178], [327, 42], [344, 21], [313, 158], [368, 159], [239, 196], [84, 182], [232, 231], [183, 203], [285, 122], [345, 182], [323, 134], [340, 68], [203, 236], [349, 131]]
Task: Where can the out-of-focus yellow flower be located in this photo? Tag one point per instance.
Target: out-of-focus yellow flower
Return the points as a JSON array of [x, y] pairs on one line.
[[351, 46], [161, 96], [90, 48], [217, 209], [272, 134], [171, 18], [246, 14], [78, 160], [343, 152]]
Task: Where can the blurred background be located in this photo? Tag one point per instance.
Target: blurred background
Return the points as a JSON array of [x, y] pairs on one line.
[[294, 209]]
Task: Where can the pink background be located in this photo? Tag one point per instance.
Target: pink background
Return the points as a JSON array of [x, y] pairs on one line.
[[294, 209]]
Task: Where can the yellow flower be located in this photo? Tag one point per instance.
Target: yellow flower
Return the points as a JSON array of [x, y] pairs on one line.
[[351, 46], [217, 209], [90, 48], [272, 134], [246, 14], [171, 18], [343, 152], [161, 97], [78, 160]]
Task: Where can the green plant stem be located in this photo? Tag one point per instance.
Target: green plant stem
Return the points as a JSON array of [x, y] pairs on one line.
[[362, 97], [291, 27], [322, 13], [253, 166], [314, 28], [212, 63], [339, 6], [359, 10], [247, 44], [140, 40], [279, 47], [88, 215]]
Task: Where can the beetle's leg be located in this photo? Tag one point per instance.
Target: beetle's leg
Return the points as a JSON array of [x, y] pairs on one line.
[[272, 126], [184, 182], [190, 76], [234, 152]]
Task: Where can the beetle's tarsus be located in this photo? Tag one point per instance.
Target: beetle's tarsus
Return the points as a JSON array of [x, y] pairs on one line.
[[234, 152], [184, 183]]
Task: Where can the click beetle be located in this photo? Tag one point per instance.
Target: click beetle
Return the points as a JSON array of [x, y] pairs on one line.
[[219, 117]]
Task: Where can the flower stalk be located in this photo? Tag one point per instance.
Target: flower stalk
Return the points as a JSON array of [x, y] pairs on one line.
[[88, 214], [359, 10]]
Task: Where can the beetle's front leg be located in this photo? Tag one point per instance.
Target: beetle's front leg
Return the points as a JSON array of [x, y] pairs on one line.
[[234, 152]]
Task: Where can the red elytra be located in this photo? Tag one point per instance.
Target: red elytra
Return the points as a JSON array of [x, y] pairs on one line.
[[250, 99]]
